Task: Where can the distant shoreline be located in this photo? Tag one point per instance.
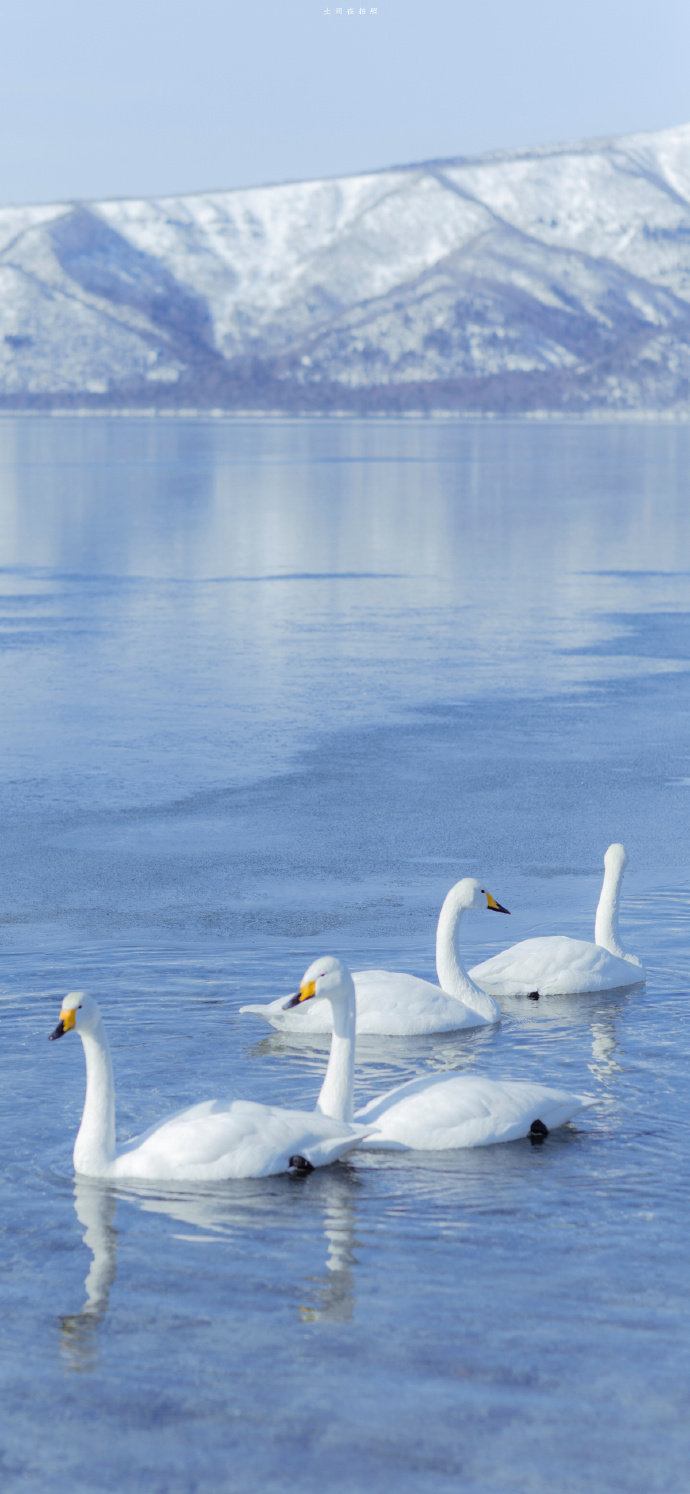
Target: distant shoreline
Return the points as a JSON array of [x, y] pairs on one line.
[[514, 417]]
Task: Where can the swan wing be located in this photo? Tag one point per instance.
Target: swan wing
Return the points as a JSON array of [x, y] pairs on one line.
[[240, 1139], [313, 1017], [554, 966], [394, 1004], [462, 1110], [390, 1003]]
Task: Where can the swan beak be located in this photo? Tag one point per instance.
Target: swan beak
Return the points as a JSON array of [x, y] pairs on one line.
[[493, 905], [303, 994], [65, 1024]]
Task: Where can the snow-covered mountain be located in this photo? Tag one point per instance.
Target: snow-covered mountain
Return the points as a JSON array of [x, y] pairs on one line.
[[555, 278]]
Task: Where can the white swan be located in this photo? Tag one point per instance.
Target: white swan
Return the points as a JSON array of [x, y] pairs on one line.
[[392, 1004], [559, 966], [433, 1113], [206, 1143]]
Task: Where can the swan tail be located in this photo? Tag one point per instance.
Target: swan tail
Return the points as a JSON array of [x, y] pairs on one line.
[[328, 1149], [562, 1109], [264, 1010]]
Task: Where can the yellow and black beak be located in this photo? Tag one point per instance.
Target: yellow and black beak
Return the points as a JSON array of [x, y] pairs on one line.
[[304, 994], [65, 1024], [493, 905]]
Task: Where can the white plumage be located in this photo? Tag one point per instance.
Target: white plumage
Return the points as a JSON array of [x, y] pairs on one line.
[[211, 1141], [394, 1004], [556, 965], [460, 1110], [432, 1113]]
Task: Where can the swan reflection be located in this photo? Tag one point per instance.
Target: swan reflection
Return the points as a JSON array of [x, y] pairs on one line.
[[94, 1203], [213, 1215], [334, 1291], [606, 1063], [599, 1012], [219, 1211]]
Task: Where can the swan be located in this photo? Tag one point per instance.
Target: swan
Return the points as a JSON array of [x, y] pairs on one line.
[[435, 1112], [208, 1142], [392, 1004], [556, 965]]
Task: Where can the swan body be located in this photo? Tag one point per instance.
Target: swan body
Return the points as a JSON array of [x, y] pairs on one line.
[[393, 1004], [435, 1112], [459, 1110], [559, 966], [209, 1142], [555, 966]]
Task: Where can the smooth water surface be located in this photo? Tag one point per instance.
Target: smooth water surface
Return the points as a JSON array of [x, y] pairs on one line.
[[268, 690]]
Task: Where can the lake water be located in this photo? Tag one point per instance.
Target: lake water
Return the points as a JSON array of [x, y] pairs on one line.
[[268, 690]]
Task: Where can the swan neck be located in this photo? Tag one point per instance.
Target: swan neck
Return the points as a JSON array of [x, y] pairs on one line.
[[606, 921], [452, 976], [94, 1148], [337, 1091]]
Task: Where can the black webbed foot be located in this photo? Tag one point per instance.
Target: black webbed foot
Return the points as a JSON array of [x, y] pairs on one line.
[[532, 995], [538, 1132], [299, 1166]]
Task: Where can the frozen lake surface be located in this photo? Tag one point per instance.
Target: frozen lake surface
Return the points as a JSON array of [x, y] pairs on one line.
[[268, 690]]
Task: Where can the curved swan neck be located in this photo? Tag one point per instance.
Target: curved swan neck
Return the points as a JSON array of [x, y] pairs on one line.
[[606, 921], [452, 976], [337, 1091], [94, 1148]]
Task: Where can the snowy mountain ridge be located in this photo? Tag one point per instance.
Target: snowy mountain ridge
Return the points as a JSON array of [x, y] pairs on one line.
[[556, 278]]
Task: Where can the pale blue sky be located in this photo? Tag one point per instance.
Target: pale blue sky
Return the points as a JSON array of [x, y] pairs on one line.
[[155, 96]]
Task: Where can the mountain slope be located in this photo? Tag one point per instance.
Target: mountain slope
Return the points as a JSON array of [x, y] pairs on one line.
[[556, 278]]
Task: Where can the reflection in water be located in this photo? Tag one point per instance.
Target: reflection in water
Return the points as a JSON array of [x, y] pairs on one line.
[[568, 1011], [215, 1212], [95, 1208], [334, 1292], [598, 1011], [203, 540], [606, 1054], [223, 1211]]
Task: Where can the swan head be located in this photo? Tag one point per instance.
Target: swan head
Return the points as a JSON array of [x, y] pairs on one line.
[[615, 858], [325, 977], [77, 1010], [469, 893]]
